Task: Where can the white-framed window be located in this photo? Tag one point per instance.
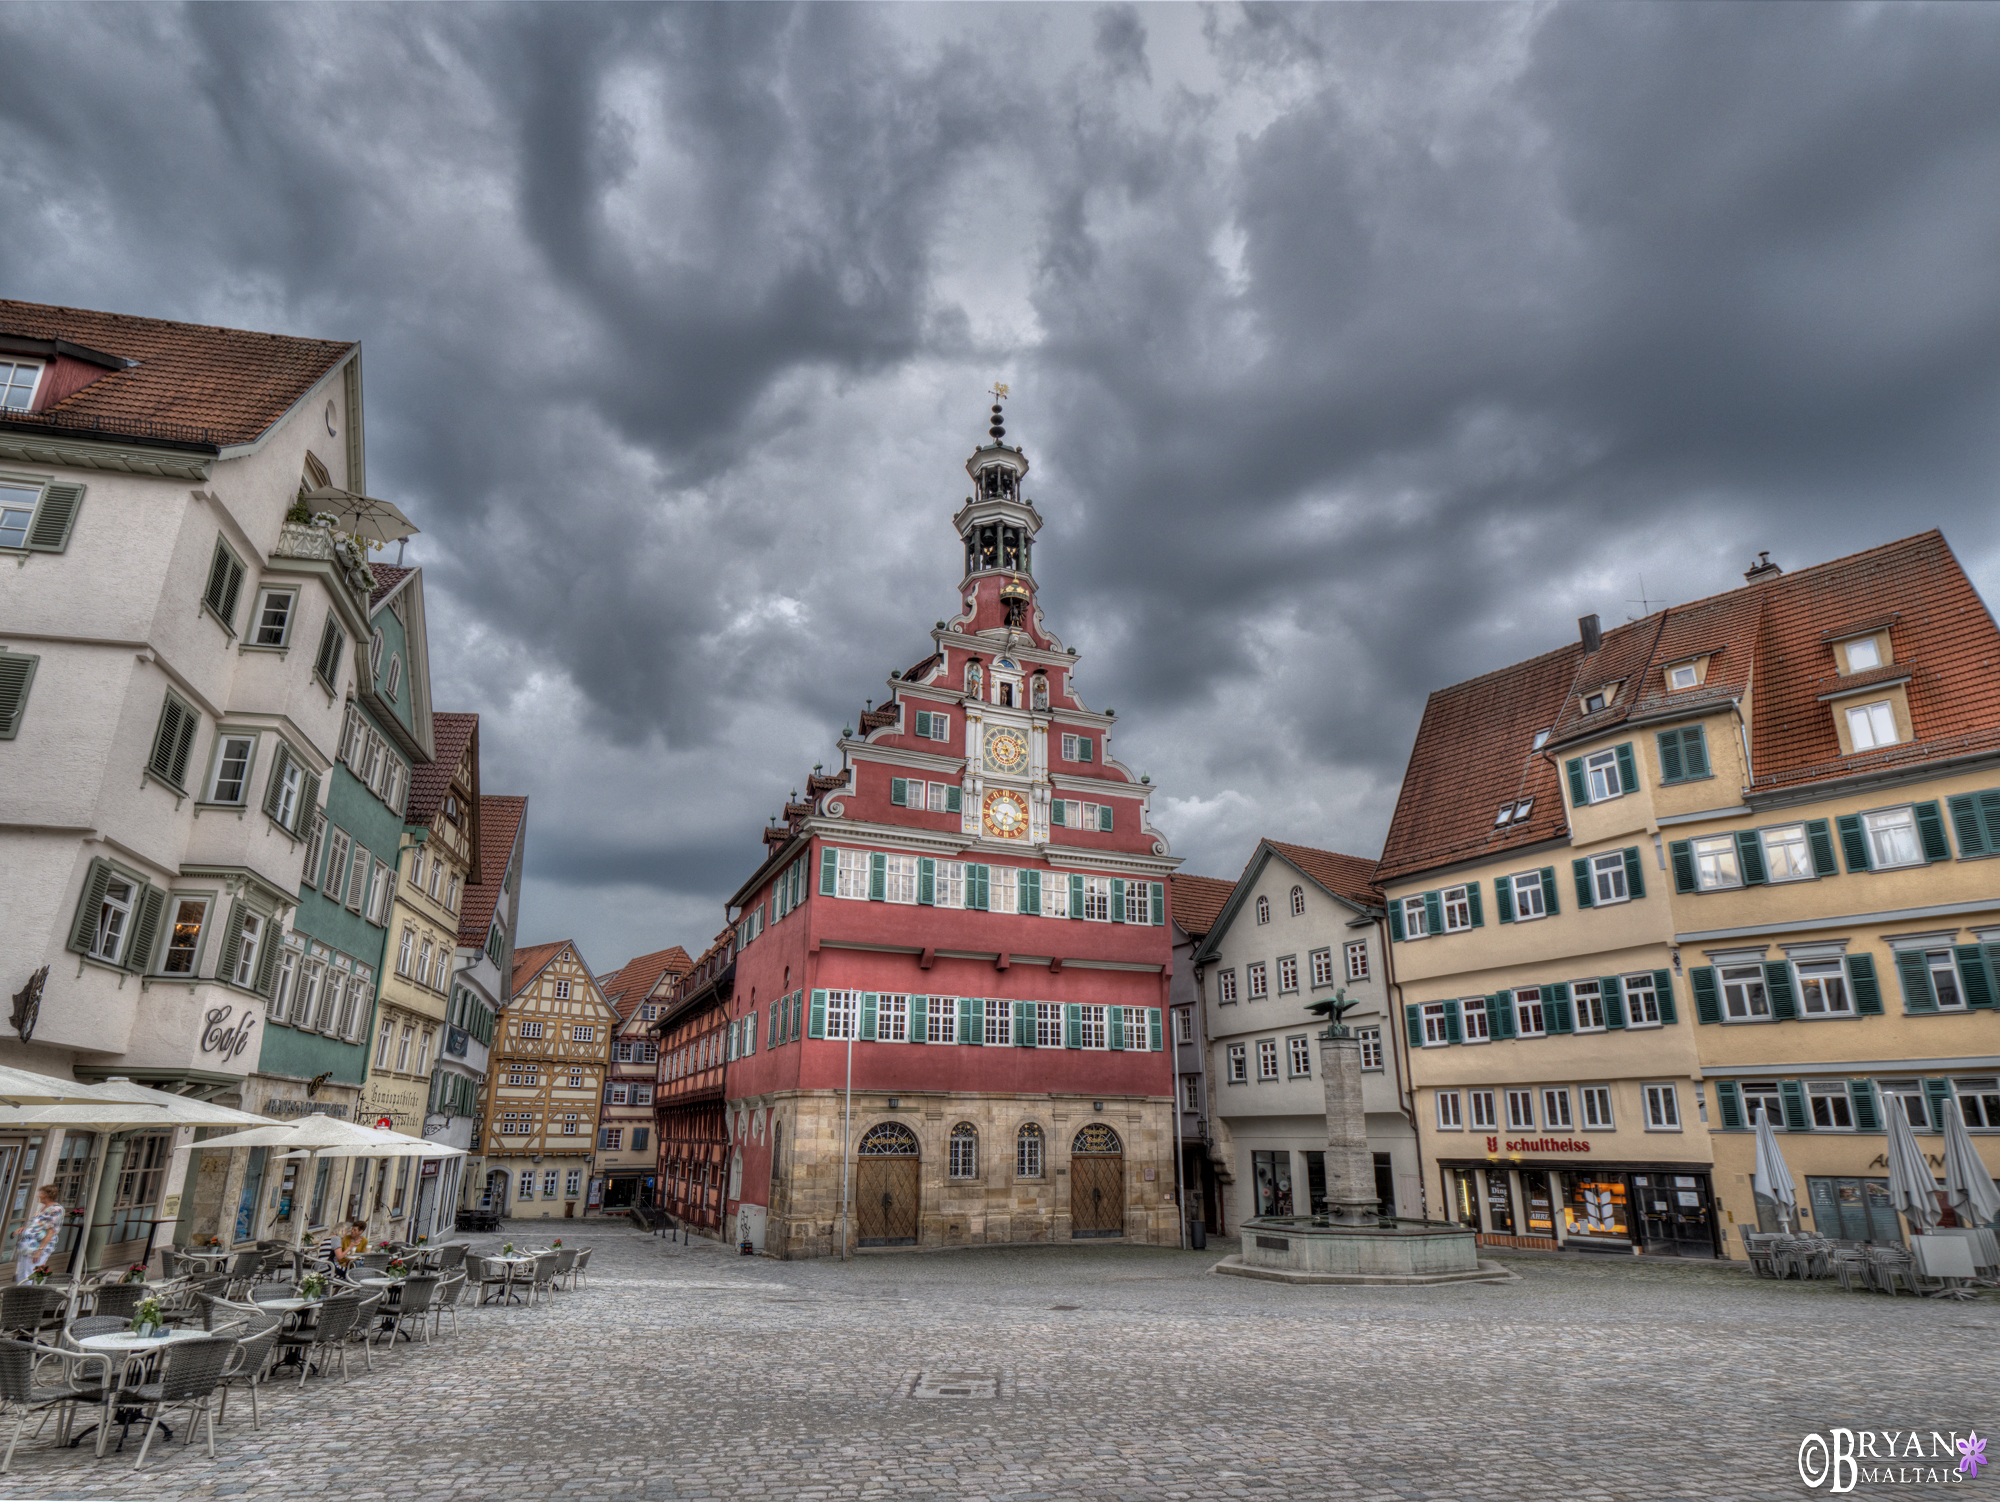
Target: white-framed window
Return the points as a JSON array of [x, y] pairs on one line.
[[1322, 967], [381, 890], [1761, 1102], [941, 1020], [1743, 998], [1092, 1028], [572, 1121], [583, 1034], [562, 990], [284, 981], [642, 1095], [1663, 1109], [1299, 1052], [437, 875], [1528, 901], [403, 1048], [18, 379], [1055, 894], [1892, 838], [114, 920], [1437, 1029], [406, 952], [937, 797], [1528, 1020], [315, 842], [417, 868], [1683, 675], [1028, 1152], [1872, 725], [843, 1014], [1048, 1024], [1601, 768], [232, 768], [948, 886], [892, 1019], [1137, 903], [1225, 985], [1258, 979], [1607, 875], [382, 1041], [1944, 979], [550, 1177], [1597, 1107], [1263, 910], [620, 1094], [375, 644], [1474, 1025], [1298, 902], [1077, 748], [1862, 653], [1357, 960], [1097, 899], [1451, 1116], [964, 1154], [17, 506], [1830, 1108], [1823, 989], [424, 963], [359, 987], [1184, 1024], [1642, 1000], [1191, 1092], [1003, 889], [614, 1138], [1910, 1095], [249, 939], [1715, 864], [1239, 1064], [395, 678], [1267, 1058], [1979, 1102], [850, 878], [1479, 1110], [531, 1029], [1588, 998], [273, 622], [1288, 974], [899, 878], [1457, 909], [526, 1191], [1413, 917], [998, 1022], [1786, 854], [1370, 1039], [1555, 1109]]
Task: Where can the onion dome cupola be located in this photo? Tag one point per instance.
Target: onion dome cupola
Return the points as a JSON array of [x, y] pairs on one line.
[[998, 522]]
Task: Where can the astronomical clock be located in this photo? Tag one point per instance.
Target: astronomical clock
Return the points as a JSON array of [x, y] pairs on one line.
[[1006, 751], [1005, 814]]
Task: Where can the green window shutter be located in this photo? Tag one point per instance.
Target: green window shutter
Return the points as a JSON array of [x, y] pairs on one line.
[[1989, 816], [970, 1016], [1503, 898], [878, 875], [1972, 977], [1413, 1024], [1930, 832], [1968, 826], [899, 791], [1086, 748], [171, 742], [1549, 890], [1159, 904], [1915, 975], [1635, 873], [1153, 1029], [1115, 1028], [275, 788], [55, 517], [232, 941], [1796, 1119], [1396, 920], [1117, 899], [983, 877], [1694, 751], [1500, 1009], [870, 1003], [1021, 875], [1056, 816], [1750, 857], [1024, 1023], [919, 1019], [1580, 869], [1614, 1000], [1731, 1105], [1669, 742], [1451, 1022], [1561, 1019], [1663, 987], [1863, 1095], [1819, 836], [1937, 1092], [1076, 896], [1579, 790], [1104, 818], [1628, 770], [829, 866], [1861, 981], [951, 803], [17, 673], [1853, 843], [232, 591], [923, 724], [308, 802], [927, 880], [816, 1024], [1778, 986], [1072, 1025], [1472, 897], [145, 928], [1682, 854], [1433, 913], [217, 588]]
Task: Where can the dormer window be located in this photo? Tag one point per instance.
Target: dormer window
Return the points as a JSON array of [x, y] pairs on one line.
[[1872, 725], [1592, 703], [1863, 654], [18, 379], [1683, 675]]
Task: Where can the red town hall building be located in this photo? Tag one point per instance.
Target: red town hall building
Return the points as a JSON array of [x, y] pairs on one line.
[[971, 915]]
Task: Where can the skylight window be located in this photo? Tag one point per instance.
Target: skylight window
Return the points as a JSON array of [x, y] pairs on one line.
[[1541, 740], [1513, 813], [17, 385]]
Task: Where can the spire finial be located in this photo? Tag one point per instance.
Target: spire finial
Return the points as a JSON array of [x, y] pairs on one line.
[[998, 430]]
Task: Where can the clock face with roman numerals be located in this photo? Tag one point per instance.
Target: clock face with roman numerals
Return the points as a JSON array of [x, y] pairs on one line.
[[1006, 750], [1006, 814]]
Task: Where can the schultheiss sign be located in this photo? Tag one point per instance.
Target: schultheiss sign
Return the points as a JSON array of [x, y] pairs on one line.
[[1540, 1145]]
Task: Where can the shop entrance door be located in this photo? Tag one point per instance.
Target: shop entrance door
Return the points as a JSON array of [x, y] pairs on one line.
[[1675, 1214]]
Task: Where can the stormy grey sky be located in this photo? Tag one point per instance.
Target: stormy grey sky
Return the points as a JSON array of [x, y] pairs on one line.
[[1357, 350]]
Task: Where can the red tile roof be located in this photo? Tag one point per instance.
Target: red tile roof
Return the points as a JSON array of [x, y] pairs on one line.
[[387, 577], [500, 819], [191, 383], [635, 980], [1198, 900], [529, 961], [1349, 876], [451, 732]]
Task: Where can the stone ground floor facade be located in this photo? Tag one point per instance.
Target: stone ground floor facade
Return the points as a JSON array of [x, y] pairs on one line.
[[949, 1168]]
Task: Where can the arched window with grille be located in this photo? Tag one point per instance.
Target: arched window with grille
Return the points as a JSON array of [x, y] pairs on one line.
[[965, 1151], [1263, 910], [1298, 902], [1028, 1152]]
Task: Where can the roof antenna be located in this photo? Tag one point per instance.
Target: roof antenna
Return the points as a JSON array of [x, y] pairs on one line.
[[1645, 605]]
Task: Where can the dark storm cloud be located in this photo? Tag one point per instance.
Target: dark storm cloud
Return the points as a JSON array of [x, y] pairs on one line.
[[1358, 350]]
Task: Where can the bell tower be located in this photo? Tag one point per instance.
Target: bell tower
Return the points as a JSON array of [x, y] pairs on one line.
[[997, 525]]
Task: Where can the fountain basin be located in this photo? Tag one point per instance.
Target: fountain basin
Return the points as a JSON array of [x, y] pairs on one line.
[[1307, 1249]]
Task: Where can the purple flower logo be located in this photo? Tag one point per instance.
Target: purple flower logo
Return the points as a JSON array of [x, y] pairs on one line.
[[1972, 1455]]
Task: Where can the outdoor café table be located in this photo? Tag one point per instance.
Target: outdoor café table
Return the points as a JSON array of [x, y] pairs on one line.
[[519, 1260], [292, 1312], [139, 1350], [392, 1296]]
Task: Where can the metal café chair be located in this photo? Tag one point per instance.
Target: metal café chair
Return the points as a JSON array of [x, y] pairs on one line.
[[363, 1331], [187, 1377], [450, 1288], [414, 1303], [543, 1275], [272, 1291], [117, 1298], [565, 1266], [28, 1307], [582, 1267], [243, 1270], [26, 1389], [495, 1274], [249, 1363], [327, 1333]]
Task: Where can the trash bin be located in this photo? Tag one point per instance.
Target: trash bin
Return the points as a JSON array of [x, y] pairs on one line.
[[1198, 1234]]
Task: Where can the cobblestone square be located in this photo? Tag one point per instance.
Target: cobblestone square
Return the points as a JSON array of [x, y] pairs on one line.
[[1102, 1372]]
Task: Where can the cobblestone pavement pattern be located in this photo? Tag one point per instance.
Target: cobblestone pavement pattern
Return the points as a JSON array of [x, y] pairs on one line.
[[1110, 1372]]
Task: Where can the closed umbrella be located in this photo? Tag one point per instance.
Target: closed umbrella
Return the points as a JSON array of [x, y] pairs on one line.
[[1912, 1190], [1773, 1179], [1968, 1183]]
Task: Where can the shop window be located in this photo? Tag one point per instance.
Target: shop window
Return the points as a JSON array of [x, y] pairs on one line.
[[1499, 1202], [1272, 1174], [1465, 1197], [1594, 1206], [1541, 1218], [1315, 1182]]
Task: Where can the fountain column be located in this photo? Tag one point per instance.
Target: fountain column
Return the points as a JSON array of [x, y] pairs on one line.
[[1350, 1167]]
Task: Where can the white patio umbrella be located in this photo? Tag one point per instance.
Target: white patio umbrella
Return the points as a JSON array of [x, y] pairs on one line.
[[361, 516], [1773, 1179], [24, 1087], [1968, 1183], [1912, 1189]]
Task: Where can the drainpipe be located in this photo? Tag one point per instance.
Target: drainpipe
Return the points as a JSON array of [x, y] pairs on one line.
[[1172, 1041], [847, 1133]]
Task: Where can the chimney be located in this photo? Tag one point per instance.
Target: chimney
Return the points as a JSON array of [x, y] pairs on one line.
[[1762, 569], [1586, 626]]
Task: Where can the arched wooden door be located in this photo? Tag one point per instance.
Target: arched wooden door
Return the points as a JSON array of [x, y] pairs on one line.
[[1096, 1183], [496, 1191], [885, 1186]]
